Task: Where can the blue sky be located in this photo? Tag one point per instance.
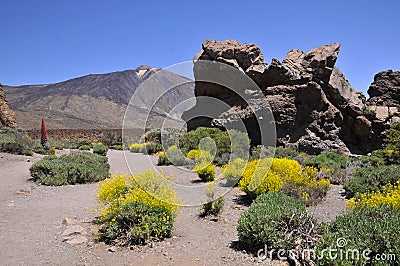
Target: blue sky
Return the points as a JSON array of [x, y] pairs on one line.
[[47, 41]]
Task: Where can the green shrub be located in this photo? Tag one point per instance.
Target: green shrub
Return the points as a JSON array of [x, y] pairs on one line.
[[136, 210], [393, 137], [100, 149], [191, 140], [12, 147], [40, 150], [260, 151], [372, 179], [84, 148], [366, 228], [84, 143], [330, 160], [214, 205], [136, 223], [175, 156], [117, 147], [369, 113], [15, 141], [151, 148], [27, 152], [276, 220], [77, 168], [389, 156]]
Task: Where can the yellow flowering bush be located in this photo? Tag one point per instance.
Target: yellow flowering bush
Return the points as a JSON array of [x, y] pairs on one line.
[[388, 195], [276, 174], [205, 170], [137, 147], [136, 209]]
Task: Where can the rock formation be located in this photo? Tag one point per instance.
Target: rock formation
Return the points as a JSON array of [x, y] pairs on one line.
[[7, 117], [314, 106], [384, 101], [385, 90]]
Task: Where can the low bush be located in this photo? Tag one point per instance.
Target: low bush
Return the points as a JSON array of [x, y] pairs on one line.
[[77, 168], [276, 174], [40, 150], [84, 143], [388, 195], [260, 151], [364, 229], [136, 210], [27, 152], [12, 147], [214, 205], [117, 147], [15, 141], [371, 179], [152, 148], [162, 158], [393, 137], [84, 147], [389, 156], [277, 221], [137, 147], [233, 171], [205, 170], [330, 160], [100, 149], [175, 156]]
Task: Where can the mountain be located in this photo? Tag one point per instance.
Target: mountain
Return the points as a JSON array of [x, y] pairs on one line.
[[97, 101]]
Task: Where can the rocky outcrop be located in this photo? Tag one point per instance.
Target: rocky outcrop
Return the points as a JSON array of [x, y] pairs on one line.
[[7, 117], [315, 107], [385, 89]]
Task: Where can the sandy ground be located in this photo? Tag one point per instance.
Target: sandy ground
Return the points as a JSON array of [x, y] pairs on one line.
[[31, 221]]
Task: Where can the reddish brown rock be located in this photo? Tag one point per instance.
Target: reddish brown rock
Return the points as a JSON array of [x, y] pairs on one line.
[[385, 89], [314, 106], [7, 117]]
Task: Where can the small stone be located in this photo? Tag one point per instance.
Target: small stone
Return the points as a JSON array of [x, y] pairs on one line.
[[77, 240], [68, 221], [113, 249], [174, 237], [74, 230]]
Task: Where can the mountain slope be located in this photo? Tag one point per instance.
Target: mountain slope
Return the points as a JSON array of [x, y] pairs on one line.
[[95, 101]]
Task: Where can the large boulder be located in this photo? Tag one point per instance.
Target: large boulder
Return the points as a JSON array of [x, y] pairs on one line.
[[314, 106], [385, 89], [7, 117]]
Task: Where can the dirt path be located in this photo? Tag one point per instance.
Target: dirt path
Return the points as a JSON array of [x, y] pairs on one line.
[[31, 216]]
